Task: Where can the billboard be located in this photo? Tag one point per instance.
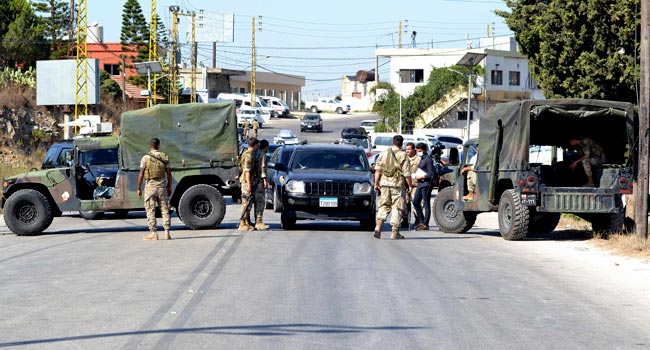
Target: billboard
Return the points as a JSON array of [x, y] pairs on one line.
[[215, 27], [56, 82]]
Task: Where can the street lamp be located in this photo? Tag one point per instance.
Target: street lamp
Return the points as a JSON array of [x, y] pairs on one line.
[[470, 59], [399, 80], [148, 67]]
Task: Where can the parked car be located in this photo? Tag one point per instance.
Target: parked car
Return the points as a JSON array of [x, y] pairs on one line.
[[328, 104], [382, 141], [244, 101], [331, 182], [280, 109], [276, 178], [311, 122], [369, 124], [286, 137], [361, 141], [250, 114]]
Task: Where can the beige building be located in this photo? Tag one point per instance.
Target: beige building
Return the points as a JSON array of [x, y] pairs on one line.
[[212, 81]]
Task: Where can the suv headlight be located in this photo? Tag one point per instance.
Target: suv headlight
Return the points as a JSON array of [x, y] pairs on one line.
[[295, 186], [361, 188]]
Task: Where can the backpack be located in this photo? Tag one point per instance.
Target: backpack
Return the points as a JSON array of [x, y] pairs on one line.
[[156, 166], [391, 166]]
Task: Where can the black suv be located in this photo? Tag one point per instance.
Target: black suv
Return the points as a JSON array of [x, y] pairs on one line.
[[353, 132], [331, 182], [311, 122], [276, 178]]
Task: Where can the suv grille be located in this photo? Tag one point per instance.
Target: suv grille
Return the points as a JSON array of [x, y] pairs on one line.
[[329, 188]]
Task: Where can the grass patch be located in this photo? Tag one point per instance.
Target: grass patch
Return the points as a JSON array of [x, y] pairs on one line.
[[629, 245]]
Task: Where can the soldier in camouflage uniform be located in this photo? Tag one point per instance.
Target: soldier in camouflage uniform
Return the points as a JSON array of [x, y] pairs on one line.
[[154, 167], [414, 161], [592, 154], [251, 172], [256, 126], [393, 182], [247, 126], [260, 191]]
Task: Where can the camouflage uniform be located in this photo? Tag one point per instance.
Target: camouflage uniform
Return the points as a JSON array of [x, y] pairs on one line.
[[247, 126], [249, 164], [393, 190], [595, 155], [414, 162], [256, 126], [260, 191], [471, 175], [155, 188]]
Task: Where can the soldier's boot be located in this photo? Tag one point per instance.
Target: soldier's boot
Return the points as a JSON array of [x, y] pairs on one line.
[[245, 226], [469, 197], [378, 225], [395, 233], [167, 235], [260, 225], [590, 182], [153, 236]]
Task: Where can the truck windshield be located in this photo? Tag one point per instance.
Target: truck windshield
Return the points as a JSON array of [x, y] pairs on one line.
[[98, 156]]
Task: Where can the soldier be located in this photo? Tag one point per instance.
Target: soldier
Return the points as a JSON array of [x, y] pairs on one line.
[[247, 126], [260, 191], [414, 161], [153, 168], [256, 126], [249, 178], [392, 174], [592, 154], [471, 177]]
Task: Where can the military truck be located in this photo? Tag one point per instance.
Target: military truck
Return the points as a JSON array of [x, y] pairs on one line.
[[200, 140], [530, 197]]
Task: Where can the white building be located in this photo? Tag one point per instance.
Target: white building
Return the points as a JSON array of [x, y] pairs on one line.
[[507, 78]]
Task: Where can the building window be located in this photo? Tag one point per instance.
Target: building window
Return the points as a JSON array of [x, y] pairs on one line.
[[497, 77], [411, 76], [242, 90], [463, 115], [112, 69], [514, 78]]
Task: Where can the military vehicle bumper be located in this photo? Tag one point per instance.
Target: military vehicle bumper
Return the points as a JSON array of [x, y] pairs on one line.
[[579, 200]]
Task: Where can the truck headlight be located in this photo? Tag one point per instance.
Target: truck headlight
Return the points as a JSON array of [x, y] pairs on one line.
[[294, 186], [7, 182], [361, 188]]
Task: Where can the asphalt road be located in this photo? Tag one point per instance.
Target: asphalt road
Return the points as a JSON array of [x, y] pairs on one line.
[[326, 285]]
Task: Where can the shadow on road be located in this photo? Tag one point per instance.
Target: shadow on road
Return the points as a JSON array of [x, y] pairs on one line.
[[250, 330], [558, 235]]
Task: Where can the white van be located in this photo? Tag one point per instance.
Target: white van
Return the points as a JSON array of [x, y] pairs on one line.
[[244, 100], [280, 109]]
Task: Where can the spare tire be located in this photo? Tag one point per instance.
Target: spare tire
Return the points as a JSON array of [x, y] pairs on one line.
[[27, 212], [201, 206]]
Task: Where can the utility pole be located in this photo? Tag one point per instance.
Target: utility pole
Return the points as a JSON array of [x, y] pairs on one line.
[[173, 66], [124, 80], [254, 63], [193, 69], [399, 36], [641, 186], [153, 50], [81, 92], [214, 54]]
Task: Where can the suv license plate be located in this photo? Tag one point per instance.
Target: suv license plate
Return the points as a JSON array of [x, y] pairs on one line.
[[329, 202]]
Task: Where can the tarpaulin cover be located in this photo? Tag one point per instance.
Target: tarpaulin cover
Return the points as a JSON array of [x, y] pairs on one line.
[[553, 122], [192, 135]]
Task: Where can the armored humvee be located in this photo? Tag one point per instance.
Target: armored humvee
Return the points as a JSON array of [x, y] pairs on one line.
[[200, 140], [530, 195]]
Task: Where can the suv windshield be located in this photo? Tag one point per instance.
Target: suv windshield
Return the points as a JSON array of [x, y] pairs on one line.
[[311, 117], [321, 160]]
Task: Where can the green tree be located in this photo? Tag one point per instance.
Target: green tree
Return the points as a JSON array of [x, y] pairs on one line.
[[54, 19], [109, 86], [581, 48], [22, 41], [135, 30]]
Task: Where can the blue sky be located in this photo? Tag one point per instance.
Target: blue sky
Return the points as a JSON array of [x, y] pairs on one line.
[[321, 40]]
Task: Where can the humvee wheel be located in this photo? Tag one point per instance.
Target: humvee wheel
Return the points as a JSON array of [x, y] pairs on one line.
[[543, 223], [27, 212], [607, 224], [90, 214], [448, 215], [513, 216], [201, 206]]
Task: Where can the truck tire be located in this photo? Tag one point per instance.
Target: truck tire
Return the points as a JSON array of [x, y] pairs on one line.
[[514, 217], [27, 212], [287, 220], [314, 109], [91, 214], [448, 215], [607, 224], [339, 110], [201, 206], [543, 223]]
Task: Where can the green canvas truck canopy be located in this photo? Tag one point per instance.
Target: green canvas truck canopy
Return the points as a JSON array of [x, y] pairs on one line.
[[192, 135], [552, 122]]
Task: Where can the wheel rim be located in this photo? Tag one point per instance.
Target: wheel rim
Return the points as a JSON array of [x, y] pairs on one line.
[[451, 211], [202, 207], [26, 212], [507, 216]]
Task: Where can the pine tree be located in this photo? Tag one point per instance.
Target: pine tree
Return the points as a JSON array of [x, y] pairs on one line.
[[54, 18], [22, 40], [135, 30]]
